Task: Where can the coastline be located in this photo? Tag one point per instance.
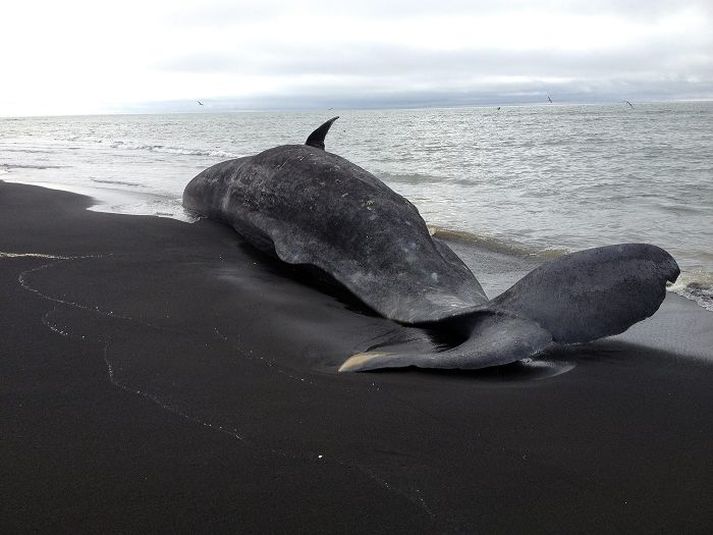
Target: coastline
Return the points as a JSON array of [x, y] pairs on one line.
[[162, 375]]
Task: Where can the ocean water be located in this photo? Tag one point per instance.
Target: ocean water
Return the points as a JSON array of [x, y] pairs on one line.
[[524, 180]]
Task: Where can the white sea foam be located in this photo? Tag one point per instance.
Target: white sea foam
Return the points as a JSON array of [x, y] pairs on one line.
[[153, 147], [696, 286], [6, 254]]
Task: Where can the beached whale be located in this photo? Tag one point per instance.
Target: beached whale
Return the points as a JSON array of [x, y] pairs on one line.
[[308, 206]]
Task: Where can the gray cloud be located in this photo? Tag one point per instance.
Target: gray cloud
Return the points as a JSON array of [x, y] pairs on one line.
[[661, 68], [315, 97], [283, 53], [379, 60], [659, 64], [235, 12]]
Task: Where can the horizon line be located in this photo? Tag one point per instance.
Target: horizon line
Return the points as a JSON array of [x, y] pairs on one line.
[[354, 107]]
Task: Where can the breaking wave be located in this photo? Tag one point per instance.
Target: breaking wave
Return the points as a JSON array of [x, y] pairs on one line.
[[496, 245], [411, 178], [6, 167], [154, 147], [696, 286], [116, 182]]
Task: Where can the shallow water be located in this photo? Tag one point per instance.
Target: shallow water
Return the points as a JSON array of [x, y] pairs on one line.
[[530, 180]]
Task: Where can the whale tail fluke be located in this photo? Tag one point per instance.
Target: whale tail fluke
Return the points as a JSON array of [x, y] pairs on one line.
[[496, 339], [576, 298], [316, 138], [593, 293]]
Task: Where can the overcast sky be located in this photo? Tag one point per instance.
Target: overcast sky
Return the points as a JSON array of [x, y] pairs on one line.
[[76, 56]]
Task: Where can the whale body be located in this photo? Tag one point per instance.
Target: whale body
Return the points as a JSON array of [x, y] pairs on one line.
[[308, 206]]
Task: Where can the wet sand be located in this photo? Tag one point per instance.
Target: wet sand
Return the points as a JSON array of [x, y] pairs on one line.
[[162, 376]]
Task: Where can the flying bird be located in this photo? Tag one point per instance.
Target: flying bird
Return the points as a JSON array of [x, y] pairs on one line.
[[630, 104], [548, 98], [199, 102]]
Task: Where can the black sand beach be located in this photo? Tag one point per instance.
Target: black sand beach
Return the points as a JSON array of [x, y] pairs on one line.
[[159, 376]]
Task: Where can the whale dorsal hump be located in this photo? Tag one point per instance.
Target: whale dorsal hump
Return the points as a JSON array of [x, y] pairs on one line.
[[316, 138]]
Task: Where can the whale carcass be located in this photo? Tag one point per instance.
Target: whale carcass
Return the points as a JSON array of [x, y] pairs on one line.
[[308, 206]]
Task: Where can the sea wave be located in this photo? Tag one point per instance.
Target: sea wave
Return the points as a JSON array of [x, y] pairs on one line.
[[410, 178], [173, 150], [117, 182], [497, 245], [7, 167], [153, 147], [696, 286], [26, 150], [415, 179]]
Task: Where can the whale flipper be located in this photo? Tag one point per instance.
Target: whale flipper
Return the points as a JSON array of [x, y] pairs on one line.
[[316, 138], [496, 339], [592, 293]]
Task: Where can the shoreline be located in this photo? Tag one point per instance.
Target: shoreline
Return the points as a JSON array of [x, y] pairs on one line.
[[695, 285], [162, 375]]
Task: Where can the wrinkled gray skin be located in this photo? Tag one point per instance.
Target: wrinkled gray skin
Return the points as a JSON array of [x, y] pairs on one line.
[[593, 293], [309, 206], [313, 207]]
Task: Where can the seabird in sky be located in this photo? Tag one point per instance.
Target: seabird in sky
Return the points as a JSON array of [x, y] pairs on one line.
[[548, 98]]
